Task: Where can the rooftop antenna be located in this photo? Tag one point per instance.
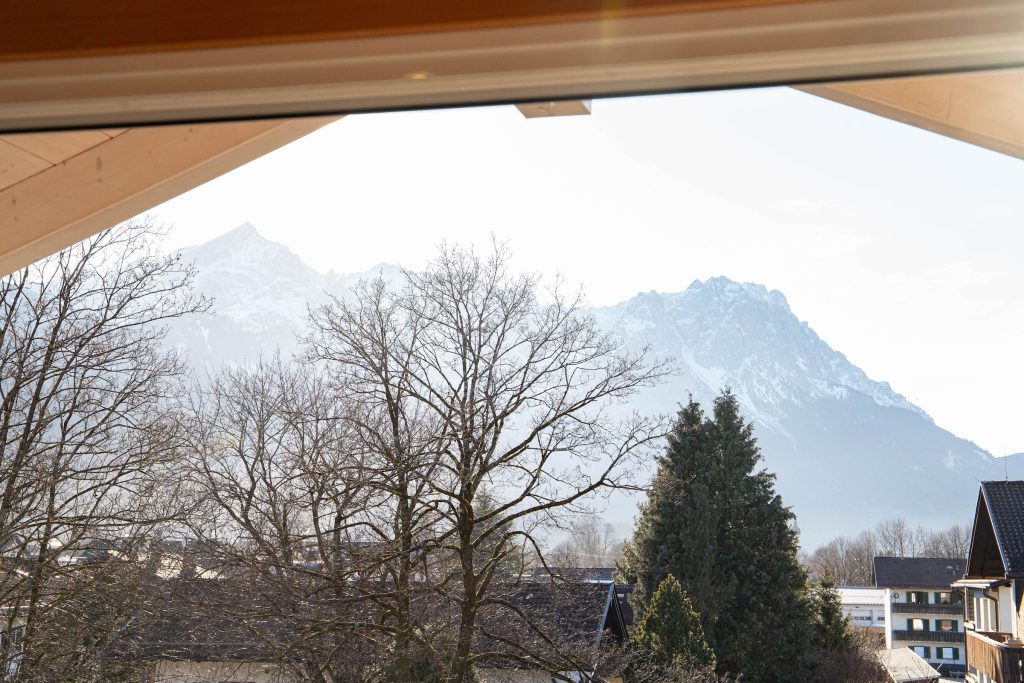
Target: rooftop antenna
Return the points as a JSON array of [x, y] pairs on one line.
[[1006, 475]]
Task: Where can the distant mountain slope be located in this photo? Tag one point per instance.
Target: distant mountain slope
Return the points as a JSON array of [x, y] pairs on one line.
[[848, 450], [261, 292]]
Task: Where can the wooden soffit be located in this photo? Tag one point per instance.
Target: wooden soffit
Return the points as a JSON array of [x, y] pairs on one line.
[[68, 64], [59, 188], [983, 108]]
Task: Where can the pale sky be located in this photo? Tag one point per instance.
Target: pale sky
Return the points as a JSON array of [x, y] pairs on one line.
[[900, 247]]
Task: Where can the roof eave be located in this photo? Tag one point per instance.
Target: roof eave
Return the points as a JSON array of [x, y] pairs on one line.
[[995, 531]]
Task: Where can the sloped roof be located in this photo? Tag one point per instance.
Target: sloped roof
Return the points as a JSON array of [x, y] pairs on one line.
[[210, 620], [551, 622], [558, 624], [904, 666], [1005, 503], [918, 572]]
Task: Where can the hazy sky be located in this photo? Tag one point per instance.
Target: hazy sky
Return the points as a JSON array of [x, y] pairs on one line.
[[901, 248]]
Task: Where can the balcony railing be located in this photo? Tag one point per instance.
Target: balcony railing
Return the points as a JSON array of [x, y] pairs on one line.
[[955, 609], [989, 654], [929, 636]]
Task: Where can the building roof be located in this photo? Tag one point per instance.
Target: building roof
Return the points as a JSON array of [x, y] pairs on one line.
[[918, 572], [210, 620], [591, 575], [861, 595], [575, 574], [904, 666], [537, 624], [523, 625], [1005, 503]]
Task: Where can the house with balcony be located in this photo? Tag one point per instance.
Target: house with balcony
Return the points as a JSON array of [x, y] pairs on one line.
[[993, 585], [922, 611]]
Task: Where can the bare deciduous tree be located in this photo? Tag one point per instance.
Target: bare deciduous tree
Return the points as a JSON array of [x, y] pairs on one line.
[[896, 538], [850, 561], [952, 542], [85, 448], [590, 543], [280, 508], [484, 388]]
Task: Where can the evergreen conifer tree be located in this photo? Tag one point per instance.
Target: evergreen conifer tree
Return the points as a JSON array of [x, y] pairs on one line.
[[669, 633], [714, 521], [832, 627]]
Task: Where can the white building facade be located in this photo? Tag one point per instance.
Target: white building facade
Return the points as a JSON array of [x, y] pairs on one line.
[[864, 606], [923, 611]]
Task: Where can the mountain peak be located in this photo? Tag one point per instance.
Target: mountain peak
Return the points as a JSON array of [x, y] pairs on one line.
[[744, 335], [244, 242], [246, 230], [725, 288]]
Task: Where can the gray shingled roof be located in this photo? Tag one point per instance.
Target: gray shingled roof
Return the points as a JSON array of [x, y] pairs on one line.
[[918, 572], [1005, 501]]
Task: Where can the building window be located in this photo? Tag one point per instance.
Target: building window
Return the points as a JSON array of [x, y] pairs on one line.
[[950, 653], [918, 596], [945, 598], [923, 652], [948, 625], [917, 624]]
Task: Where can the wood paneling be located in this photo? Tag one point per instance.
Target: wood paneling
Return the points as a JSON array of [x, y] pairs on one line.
[[130, 62], [16, 164], [72, 28], [124, 176], [57, 147], [995, 659], [985, 109], [23, 156]]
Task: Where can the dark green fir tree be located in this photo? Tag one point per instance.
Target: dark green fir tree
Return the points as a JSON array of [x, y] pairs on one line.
[[669, 633], [714, 521]]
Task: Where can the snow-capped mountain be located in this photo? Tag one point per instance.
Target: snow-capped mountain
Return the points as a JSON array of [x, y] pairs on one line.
[[848, 450], [741, 335], [261, 291]]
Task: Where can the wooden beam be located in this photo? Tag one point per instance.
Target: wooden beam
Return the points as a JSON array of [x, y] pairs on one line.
[[539, 110], [125, 176], [984, 109], [67, 64]]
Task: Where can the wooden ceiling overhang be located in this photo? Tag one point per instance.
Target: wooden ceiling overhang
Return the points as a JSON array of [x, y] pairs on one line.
[[982, 108], [99, 102], [59, 188], [73, 64]]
